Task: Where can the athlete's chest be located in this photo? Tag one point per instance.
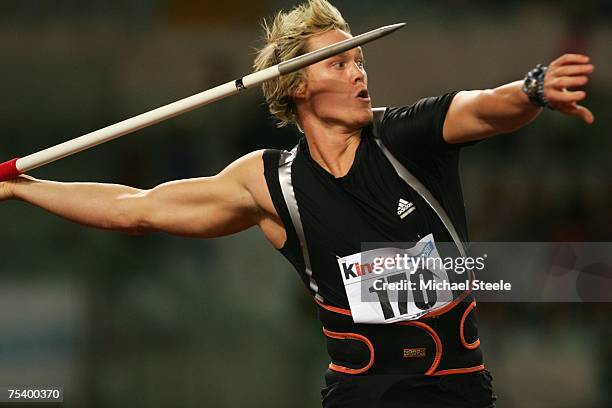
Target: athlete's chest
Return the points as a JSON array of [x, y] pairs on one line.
[[370, 204]]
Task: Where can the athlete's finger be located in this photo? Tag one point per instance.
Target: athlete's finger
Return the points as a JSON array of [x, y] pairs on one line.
[[570, 70], [580, 112], [569, 59], [554, 95], [568, 82]]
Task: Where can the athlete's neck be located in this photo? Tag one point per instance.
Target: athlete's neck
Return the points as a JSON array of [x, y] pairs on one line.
[[333, 148]]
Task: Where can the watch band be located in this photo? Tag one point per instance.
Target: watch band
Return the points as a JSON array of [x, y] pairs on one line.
[[533, 86]]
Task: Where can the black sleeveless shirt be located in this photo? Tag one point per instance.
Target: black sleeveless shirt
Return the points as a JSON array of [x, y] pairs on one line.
[[339, 214]]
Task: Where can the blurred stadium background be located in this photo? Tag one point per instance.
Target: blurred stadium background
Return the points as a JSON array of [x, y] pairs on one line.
[[160, 321]]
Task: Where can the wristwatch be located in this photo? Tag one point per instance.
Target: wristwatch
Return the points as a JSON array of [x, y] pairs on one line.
[[533, 86]]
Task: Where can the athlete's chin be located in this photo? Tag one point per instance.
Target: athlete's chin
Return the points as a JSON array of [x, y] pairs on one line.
[[364, 116], [352, 117]]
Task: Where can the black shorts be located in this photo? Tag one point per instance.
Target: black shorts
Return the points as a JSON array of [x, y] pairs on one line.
[[473, 390]]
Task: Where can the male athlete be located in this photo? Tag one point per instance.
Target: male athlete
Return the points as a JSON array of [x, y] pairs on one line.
[[340, 187]]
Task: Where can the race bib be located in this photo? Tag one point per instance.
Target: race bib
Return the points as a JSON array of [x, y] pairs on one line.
[[388, 285]]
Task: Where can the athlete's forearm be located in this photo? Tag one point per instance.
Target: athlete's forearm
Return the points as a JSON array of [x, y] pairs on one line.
[[107, 206], [475, 115], [505, 108]]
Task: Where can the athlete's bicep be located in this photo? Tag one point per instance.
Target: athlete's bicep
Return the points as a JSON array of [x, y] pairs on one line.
[[203, 207], [463, 123]]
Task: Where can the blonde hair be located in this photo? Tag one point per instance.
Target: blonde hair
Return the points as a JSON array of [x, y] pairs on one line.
[[286, 38]]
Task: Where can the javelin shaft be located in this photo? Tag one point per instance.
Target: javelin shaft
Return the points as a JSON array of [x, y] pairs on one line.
[[13, 168]]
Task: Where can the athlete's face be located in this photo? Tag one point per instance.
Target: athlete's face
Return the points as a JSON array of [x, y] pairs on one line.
[[335, 90]]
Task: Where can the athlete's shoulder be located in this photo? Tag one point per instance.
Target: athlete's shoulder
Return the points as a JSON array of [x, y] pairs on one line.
[[246, 165], [275, 158], [427, 108], [249, 171], [246, 171]]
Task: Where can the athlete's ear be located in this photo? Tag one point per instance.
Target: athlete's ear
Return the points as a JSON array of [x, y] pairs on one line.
[[299, 92]]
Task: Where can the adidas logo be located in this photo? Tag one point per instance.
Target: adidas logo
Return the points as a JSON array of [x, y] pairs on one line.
[[404, 208]]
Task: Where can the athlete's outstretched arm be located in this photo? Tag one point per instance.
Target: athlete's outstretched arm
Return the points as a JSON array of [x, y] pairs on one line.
[[199, 207], [475, 115]]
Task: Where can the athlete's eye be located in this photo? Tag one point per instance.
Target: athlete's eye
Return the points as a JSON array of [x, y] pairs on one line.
[[361, 64], [338, 64]]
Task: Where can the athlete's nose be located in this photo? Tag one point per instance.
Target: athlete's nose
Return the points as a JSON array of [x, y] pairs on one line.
[[357, 73]]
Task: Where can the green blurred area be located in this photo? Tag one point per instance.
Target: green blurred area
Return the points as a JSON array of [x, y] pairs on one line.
[[158, 321]]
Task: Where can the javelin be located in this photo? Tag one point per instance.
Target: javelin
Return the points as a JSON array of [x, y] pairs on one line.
[[13, 168]]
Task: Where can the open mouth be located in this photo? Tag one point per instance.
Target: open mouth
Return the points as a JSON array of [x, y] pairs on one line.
[[364, 94]]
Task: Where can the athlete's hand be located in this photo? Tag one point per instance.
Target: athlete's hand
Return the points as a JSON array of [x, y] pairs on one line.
[[568, 71]]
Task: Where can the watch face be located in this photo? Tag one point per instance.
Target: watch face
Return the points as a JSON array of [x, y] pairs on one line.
[[530, 86]]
